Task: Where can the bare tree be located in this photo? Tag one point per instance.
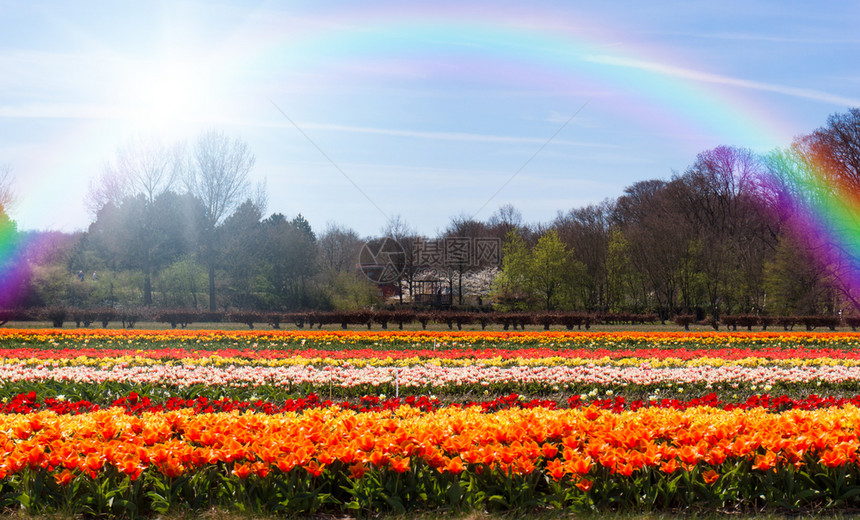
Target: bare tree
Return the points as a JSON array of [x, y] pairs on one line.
[[150, 167], [108, 188], [720, 196], [338, 248], [7, 193], [835, 149], [398, 229], [819, 172], [585, 231], [218, 177], [145, 167], [506, 219], [467, 229], [658, 240], [138, 182]]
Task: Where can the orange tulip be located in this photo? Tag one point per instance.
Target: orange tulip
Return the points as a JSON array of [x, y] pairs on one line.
[[549, 450], [64, 478], [36, 456], [716, 456], [130, 465], [625, 470], [261, 469], [555, 469], [765, 462], [242, 471], [710, 476], [172, 469], [454, 465], [400, 464], [471, 456], [669, 466], [314, 468], [93, 463], [357, 470], [579, 466], [584, 485], [523, 466], [689, 455], [833, 458], [378, 459]]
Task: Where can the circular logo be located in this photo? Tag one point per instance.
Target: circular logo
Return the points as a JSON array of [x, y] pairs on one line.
[[382, 260]]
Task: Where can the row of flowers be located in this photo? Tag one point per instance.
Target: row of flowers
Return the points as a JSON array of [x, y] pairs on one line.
[[134, 403], [449, 357], [431, 377], [277, 339], [338, 460]]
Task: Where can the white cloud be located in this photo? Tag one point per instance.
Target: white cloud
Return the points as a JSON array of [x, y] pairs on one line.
[[706, 77], [729, 36], [59, 111], [448, 136]]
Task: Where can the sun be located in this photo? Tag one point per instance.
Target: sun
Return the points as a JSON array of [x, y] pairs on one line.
[[166, 96]]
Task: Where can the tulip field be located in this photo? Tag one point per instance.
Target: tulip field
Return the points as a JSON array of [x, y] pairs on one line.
[[139, 423]]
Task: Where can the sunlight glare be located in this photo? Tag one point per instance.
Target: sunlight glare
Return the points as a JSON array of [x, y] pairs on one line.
[[166, 96]]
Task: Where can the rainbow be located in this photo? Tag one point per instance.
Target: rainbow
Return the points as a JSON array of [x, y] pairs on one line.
[[488, 44], [14, 268], [523, 48], [823, 211]]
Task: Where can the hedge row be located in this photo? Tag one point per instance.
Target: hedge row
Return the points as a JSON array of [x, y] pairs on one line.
[[749, 321], [58, 316], [384, 318]]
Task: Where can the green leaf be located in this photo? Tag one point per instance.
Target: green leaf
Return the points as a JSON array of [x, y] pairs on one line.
[[395, 503], [852, 492]]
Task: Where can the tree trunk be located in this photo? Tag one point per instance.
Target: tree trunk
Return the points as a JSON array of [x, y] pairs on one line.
[[211, 288], [147, 279], [147, 289], [460, 287]]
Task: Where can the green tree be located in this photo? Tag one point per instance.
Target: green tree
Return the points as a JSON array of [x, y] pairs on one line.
[[289, 252], [510, 289], [183, 283], [721, 197], [135, 191], [622, 280], [241, 255], [542, 276], [144, 235], [301, 224], [219, 180], [349, 290], [795, 282], [553, 270], [648, 216], [51, 283]]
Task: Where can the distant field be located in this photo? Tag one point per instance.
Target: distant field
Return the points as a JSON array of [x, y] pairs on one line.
[[654, 327]]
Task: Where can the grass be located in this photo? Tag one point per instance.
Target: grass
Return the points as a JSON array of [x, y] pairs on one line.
[[219, 514], [651, 327]]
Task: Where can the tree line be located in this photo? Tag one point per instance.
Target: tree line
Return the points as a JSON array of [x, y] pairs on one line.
[[181, 227]]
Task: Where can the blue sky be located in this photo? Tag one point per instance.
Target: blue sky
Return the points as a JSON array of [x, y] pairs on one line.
[[422, 110]]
